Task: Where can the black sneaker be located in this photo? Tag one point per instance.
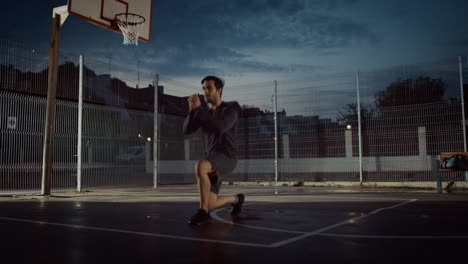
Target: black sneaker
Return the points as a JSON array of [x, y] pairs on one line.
[[200, 217], [237, 208]]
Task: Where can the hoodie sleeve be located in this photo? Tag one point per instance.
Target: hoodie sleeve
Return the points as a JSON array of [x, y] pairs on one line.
[[192, 122], [222, 123]]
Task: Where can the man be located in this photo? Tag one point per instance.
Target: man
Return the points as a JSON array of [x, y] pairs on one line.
[[218, 121]]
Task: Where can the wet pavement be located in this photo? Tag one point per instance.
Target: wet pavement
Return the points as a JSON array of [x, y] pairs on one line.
[[297, 225]]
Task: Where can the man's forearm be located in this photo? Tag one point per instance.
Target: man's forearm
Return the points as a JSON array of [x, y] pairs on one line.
[[191, 122]]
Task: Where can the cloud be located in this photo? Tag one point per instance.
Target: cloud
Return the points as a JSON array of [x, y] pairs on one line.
[[190, 36], [286, 24]]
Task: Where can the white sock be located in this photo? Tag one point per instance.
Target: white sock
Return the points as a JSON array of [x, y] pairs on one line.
[[237, 199]]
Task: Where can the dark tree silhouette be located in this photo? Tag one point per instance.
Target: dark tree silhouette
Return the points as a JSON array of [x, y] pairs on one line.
[[410, 92], [349, 114]]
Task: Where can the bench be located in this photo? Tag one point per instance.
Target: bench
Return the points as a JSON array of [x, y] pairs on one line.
[[443, 156]]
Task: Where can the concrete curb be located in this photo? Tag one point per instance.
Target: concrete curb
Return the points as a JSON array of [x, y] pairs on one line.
[[463, 185]]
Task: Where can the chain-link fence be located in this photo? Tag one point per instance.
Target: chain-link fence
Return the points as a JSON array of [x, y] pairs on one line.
[[381, 125]]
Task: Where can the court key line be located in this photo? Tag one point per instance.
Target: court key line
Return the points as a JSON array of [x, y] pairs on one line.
[[215, 216], [320, 232], [138, 233], [323, 229]]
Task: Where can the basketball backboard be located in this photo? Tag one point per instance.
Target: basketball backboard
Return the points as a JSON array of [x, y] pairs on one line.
[[103, 12]]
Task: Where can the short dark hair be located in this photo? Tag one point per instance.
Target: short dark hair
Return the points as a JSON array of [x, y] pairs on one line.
[[219, 84]]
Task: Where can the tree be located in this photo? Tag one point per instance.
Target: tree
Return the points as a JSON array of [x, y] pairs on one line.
[[410, 92], [349, 114]]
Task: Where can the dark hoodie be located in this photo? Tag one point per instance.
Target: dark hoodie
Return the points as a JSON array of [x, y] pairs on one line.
[[219, 127]]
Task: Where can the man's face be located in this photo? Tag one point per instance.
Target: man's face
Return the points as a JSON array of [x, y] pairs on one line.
[[211, 93]]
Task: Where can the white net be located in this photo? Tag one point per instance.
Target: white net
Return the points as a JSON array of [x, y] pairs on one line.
[[130, 25]]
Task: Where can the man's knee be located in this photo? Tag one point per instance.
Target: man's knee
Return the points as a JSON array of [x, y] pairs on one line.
[[203, 167]]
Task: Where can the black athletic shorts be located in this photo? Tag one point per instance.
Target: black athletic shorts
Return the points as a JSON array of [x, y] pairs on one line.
[[222, 165]]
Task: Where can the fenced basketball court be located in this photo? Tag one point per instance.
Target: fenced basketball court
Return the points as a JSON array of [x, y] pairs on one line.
[[109, 176]]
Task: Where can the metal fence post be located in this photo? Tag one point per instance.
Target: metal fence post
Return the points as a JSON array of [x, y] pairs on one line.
[[460, 68], [438, 175], [358, 109], [47, 158], [156, 133], [80, 126], [276, 132]]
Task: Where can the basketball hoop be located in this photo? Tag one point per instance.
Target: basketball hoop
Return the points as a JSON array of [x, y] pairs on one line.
[[132, 18], [130, 25]]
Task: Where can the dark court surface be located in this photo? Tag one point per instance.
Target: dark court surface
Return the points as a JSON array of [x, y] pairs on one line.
[[297, 225]]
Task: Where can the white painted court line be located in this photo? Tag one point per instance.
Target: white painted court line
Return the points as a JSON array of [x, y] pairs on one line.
[[391, 237], [321, 230], [138, 233], [215, 216]]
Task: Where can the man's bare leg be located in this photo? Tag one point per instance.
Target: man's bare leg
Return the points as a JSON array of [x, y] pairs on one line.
[[204, 167], [217, 201], [199, 185], [210, 200], [202, 170]]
